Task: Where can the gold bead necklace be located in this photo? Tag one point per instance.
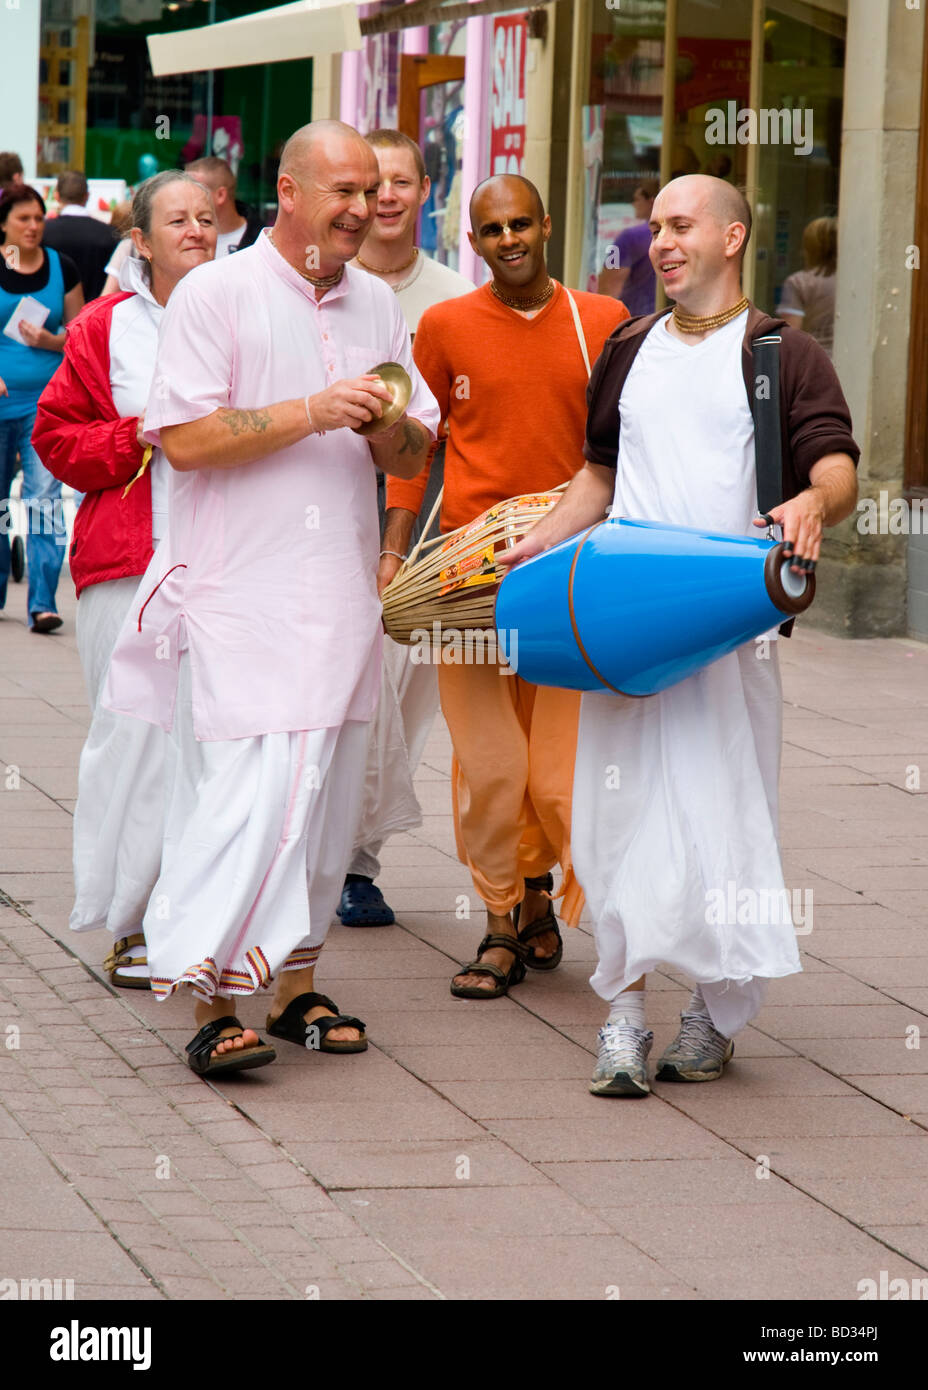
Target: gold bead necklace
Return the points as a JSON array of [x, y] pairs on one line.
[[702, 323], [394, 270], [319, 282], [535, 302]]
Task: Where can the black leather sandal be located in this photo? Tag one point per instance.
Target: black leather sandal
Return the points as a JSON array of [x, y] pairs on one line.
[[293, 1027], [504, 979], [238, 1059], [543, 884]]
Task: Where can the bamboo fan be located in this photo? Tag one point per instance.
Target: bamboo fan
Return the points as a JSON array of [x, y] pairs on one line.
[[452, 580]]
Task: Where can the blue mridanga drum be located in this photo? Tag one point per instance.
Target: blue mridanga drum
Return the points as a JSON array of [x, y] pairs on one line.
[[636, 606]]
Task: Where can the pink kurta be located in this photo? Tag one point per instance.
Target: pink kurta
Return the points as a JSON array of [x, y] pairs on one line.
[[268, 571]]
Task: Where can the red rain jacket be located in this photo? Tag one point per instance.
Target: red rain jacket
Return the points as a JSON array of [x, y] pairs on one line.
[[82, 440]]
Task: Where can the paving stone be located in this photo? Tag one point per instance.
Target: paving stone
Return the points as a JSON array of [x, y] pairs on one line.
[[875, 1057], [120, 1294], [187, 1288], [812, 1278], [516, 1063], [542, 1208], [840, 1021], [799, 1230], [381, 1274], [911, 1241], [404, 1293], [829, 1158], [623, 1131], [780, 1116], [677, 1183], [84, 1256], [424, 1164]]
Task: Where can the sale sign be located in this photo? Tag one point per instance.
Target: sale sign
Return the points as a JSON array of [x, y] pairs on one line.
[[507, 99]]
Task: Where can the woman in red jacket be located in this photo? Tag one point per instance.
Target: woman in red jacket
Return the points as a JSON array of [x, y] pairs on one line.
[[88, 432]]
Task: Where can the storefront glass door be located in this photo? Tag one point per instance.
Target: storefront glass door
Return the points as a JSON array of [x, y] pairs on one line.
[[798, 178]]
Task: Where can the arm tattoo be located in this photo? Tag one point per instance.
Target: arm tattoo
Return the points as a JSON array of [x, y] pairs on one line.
[[243, 421], [414, 438]]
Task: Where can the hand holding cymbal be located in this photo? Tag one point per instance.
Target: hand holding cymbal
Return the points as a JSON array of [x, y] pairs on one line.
[[397, 382]]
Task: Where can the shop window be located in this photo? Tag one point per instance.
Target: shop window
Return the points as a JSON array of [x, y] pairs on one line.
[[138, 124], [797, 194], [712, 87], [621, 125], [441, 127]]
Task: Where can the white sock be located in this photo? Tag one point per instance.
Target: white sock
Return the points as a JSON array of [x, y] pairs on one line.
[[628, 1007], [697, 1004]]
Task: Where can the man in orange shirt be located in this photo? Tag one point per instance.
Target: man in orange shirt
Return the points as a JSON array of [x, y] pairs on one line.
[[508, 365]]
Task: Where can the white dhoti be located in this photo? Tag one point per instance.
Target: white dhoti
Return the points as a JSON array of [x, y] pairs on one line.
[[125, 767], [405, 712], [675, 799], [674, 832], [257, 839], [101, 612]]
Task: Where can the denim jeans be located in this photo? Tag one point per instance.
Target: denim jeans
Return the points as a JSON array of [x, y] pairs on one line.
[[41, 493]]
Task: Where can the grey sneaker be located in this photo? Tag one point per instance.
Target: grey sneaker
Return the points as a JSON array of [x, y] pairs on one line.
[[697, 1053], [621, 1067]]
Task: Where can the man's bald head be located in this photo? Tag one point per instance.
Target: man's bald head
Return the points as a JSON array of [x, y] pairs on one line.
[[497, 187], [722, 200], [315, 140], [326, 196]]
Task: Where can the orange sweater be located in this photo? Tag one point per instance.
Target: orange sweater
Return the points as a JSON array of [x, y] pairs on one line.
[[513, 392]]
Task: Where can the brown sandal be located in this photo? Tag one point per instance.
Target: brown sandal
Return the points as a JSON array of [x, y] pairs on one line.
[[504, 979], [122, 955], [543, 884]]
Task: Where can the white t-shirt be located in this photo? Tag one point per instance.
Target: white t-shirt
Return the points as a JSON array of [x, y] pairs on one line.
[[228, 241], [686, 442], [429, 283], [133, 348]]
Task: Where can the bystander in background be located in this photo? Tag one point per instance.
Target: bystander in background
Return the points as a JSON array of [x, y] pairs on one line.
[[632, 280], [809, 294]]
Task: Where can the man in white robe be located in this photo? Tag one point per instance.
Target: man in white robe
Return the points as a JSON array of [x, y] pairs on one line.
[[256, 634], [690, 822]]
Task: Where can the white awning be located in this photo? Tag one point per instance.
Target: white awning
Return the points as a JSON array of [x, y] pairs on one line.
[[306, 29]]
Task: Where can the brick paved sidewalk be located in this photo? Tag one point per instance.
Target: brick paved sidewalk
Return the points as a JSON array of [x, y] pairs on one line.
[[462, 1156]]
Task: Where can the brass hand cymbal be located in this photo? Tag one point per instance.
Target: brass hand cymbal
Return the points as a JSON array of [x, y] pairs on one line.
[[396, 379]]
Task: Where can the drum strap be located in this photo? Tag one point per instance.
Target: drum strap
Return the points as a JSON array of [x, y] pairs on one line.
[[581, 338], [765, 407], [768, 446]]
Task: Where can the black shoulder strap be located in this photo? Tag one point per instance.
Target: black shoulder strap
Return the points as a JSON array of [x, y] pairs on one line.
[[765, 407], [768, 449]]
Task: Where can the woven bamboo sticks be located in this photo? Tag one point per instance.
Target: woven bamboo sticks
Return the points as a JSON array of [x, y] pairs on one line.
[[453, 580]]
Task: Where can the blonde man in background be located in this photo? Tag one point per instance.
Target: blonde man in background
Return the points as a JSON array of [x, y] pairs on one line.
[[409, 693]]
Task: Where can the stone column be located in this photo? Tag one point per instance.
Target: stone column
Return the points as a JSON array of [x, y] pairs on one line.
[[327, 87], [539, 88], [862, 577], [19, 89]]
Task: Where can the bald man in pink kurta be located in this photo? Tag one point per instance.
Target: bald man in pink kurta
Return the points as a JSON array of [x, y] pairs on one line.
[[261, 601]]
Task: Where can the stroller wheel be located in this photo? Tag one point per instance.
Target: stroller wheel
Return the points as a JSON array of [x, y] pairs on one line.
[[17, 558]]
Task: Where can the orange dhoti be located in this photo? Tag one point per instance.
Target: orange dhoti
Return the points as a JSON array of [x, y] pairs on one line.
[[511, 781]]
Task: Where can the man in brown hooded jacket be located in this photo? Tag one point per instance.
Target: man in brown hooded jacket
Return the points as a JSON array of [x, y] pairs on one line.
[[670, 438]]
